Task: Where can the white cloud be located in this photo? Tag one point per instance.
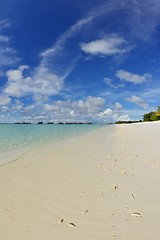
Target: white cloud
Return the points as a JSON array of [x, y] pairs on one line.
[[96, 102], [91, 105], [17, 84], [108, 111], [107, 46], [118, 106], [133, 78], [123, 118], [110, 115], [14, 75], [91, 108], [41, 83], [47, 82], [137, 100]]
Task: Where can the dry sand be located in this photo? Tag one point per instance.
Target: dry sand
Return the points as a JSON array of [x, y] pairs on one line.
[[100, 185]]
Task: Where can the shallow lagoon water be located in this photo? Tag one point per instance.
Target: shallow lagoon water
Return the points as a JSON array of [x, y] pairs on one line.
[[15, 139]]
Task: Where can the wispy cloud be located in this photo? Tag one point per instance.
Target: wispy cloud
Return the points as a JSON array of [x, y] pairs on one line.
[[138, 101], [54, 55], [75, 28], [153, 91], [132, 77], [109, 45], [8, 56], [4, 39], [4, 23], [144, 17], [110, 83]]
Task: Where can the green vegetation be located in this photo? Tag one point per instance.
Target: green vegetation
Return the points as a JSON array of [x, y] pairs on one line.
[[147, 117], [152, 116], [127, 122]]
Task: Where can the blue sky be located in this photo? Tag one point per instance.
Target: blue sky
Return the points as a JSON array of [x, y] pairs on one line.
[[66, 60]]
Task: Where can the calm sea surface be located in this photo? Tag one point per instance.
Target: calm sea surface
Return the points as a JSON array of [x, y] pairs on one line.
[[16, 139]]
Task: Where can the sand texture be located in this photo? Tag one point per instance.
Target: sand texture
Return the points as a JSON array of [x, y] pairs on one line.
[[100, 185]]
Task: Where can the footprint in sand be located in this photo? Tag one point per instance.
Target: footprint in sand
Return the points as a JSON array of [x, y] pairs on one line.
[[104, 168], [115, 187], [71, 223], [152, 162], [124, 172]]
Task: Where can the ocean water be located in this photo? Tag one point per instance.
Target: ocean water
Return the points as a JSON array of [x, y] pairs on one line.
[[15, 139]]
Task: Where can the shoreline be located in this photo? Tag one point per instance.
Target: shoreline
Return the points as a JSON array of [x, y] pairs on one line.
[[14, 154], [98, 185]]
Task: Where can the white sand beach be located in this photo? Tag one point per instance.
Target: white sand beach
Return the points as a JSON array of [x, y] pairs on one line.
[[95, 186]]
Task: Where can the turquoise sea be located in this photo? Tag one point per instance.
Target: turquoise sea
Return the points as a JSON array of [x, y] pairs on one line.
[[15, 139]]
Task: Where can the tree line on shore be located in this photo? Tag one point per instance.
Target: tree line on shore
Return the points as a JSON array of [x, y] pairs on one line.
[[152, 116], [147, 117]]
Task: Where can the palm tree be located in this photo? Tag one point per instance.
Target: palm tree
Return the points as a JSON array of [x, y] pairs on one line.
[[158, 109]]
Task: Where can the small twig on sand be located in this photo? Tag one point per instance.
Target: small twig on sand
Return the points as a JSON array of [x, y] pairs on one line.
[[85, 211], [133, 196], [72, 224]]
